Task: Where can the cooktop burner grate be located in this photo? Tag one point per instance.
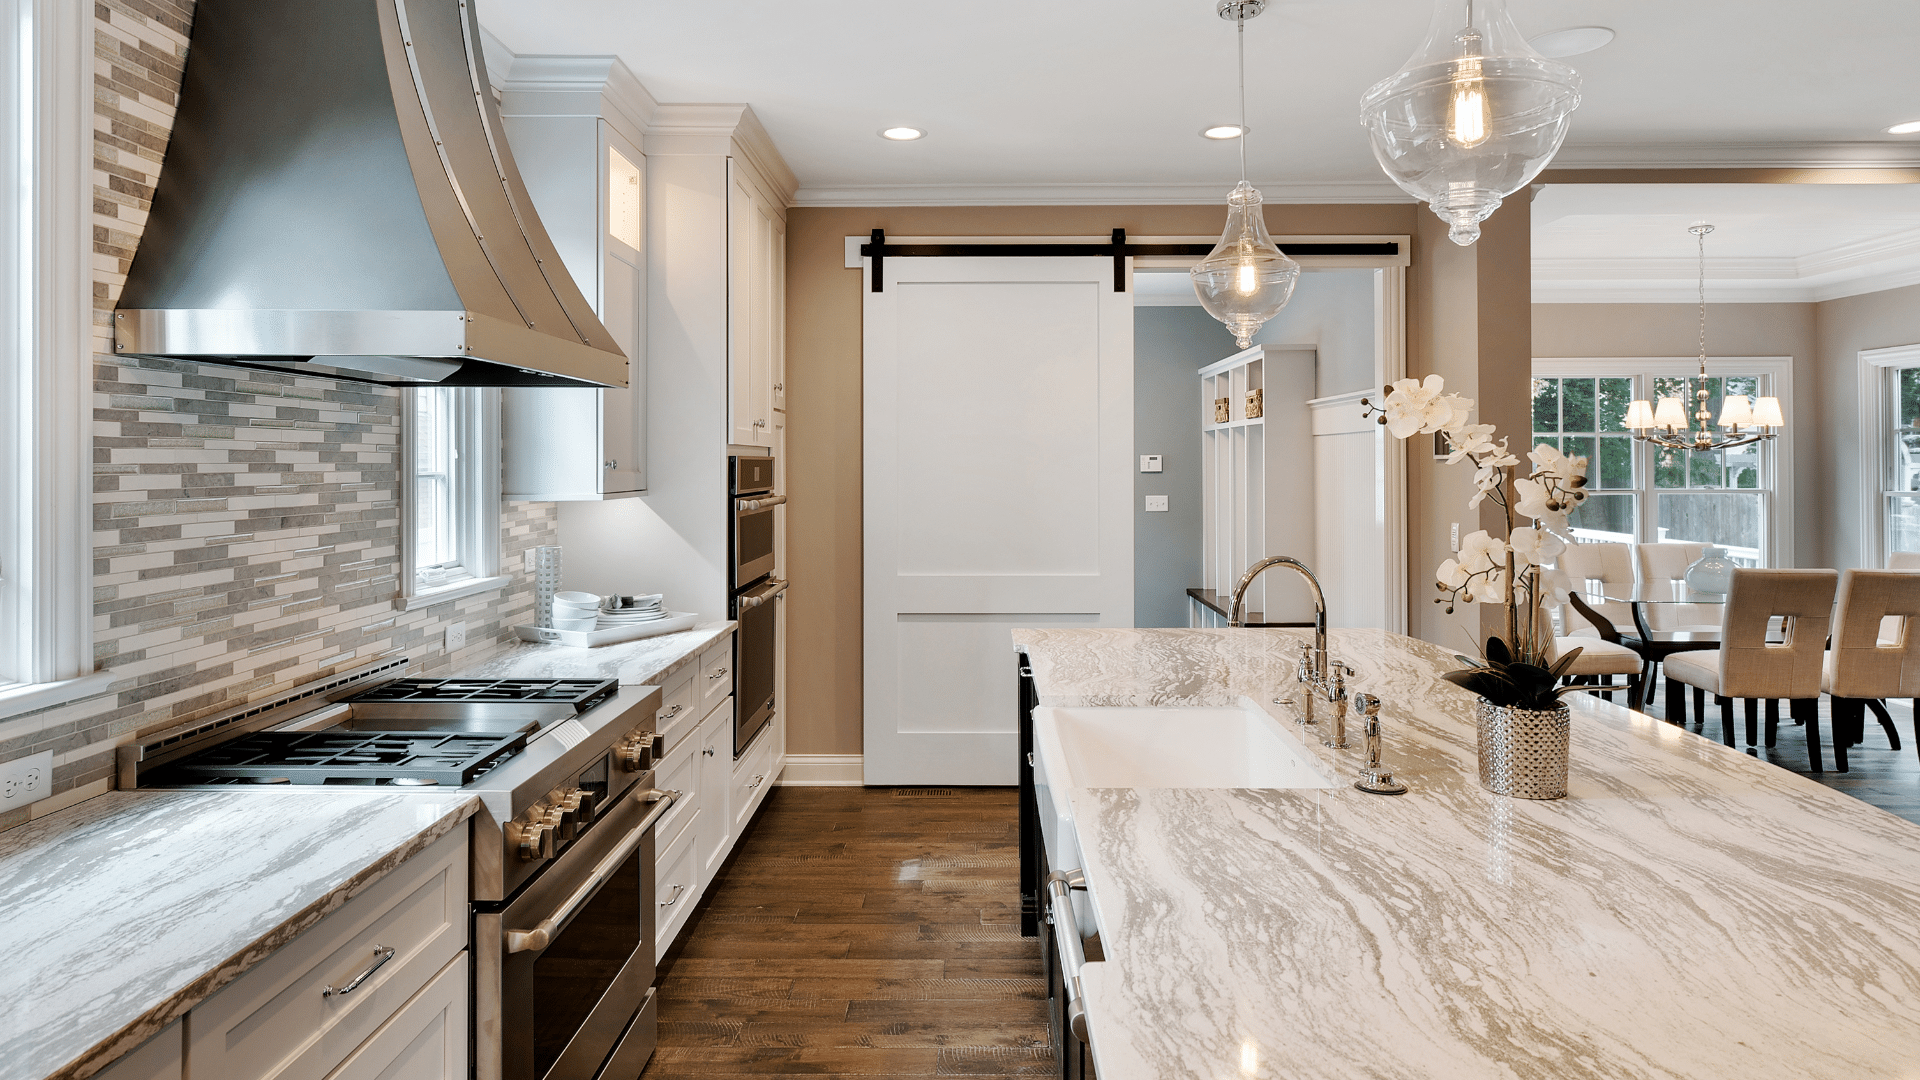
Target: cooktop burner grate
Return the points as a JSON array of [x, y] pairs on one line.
[[336, 757], [580, 693]]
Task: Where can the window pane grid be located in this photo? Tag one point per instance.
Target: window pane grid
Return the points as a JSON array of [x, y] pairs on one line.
[[1586, 417], [436, 554]]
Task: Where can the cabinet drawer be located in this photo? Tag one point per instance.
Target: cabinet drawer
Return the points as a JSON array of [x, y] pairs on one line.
[[752, 777], [716, 670], [680, 774], [277, 1021], [425, 1040], [680, 698], [676, 883]]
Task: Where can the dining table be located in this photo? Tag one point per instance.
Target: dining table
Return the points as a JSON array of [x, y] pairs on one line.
[[1655, 645]]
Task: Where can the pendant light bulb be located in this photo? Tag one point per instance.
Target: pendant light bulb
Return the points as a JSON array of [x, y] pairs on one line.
[[1472, 117], [1246, 279]]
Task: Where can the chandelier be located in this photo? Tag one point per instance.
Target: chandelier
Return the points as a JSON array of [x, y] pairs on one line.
[[1473, 115], [1246, 279], [1743, 421]]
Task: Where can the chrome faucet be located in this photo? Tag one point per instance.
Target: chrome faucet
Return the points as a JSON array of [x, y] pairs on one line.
[[1314, 672], [1375, 779]]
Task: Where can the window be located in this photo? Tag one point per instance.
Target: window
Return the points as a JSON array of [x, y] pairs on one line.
[[46, 305], [1890, 457], [452, 493], [1647, 494]]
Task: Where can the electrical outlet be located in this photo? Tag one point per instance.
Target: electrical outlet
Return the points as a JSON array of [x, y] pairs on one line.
[[1456, 537], [26, 780], [456, 636], [1156, 504], [1150, 463], [526, 561]]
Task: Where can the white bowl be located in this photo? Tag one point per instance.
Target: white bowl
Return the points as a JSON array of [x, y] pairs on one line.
[[575, 624], [577, 599]]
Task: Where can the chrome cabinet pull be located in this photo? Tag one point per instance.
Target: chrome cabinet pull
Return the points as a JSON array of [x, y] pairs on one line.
[[381, 954], [748, 506], [708, 751], [720, 674], [1066, 938], [757, 781], [676, 896], [747, 603]]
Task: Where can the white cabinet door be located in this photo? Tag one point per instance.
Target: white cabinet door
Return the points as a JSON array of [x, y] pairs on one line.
[[716, 783], [740, 221], [998, 493], [779, 318], [425, 1040]]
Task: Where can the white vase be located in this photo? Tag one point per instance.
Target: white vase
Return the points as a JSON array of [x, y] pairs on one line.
[[1712, 572]]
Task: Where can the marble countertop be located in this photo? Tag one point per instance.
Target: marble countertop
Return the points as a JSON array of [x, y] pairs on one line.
[[639, 663], [1688, 911], [120, 914]]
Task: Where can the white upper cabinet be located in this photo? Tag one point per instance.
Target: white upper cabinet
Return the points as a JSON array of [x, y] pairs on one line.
[[588, 183], [756, 309]]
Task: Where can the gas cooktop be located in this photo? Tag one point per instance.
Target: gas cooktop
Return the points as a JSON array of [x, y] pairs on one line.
[[406, 759], [582, 694]]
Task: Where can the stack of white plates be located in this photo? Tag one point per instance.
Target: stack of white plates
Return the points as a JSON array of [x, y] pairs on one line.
[[617, 611]]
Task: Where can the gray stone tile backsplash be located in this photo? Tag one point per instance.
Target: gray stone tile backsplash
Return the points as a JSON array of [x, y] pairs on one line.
[[247, 525]]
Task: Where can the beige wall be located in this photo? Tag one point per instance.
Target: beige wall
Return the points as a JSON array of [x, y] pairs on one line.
[[1475, 300], [1842, 329], [1732, 330]]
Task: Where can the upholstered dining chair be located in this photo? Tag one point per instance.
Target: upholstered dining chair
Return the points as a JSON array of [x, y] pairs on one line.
[[1602, 653], [1611, 564], [1748, 667], [1864, 667], [1660, 566]]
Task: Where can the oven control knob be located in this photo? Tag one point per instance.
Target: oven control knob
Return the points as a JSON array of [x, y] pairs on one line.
[[536, 842], [637, 753], [580, 801], [560, 820]]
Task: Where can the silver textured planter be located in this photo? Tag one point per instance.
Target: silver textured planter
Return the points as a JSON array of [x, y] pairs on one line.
[[1523, 752]]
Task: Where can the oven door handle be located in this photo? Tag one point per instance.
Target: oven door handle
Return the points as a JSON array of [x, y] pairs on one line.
[[541, 936], [765, 502], [748, 603]]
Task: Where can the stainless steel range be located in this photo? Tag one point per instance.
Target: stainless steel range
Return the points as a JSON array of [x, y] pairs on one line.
[[563, 849]]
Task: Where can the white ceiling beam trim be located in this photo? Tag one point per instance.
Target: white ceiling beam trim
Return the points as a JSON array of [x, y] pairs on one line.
[[1201, 193], [1781, 155]]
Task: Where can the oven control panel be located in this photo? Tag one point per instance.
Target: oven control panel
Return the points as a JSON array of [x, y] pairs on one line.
[[545, 828]]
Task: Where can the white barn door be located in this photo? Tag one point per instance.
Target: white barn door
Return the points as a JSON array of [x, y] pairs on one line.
[[998, 493]]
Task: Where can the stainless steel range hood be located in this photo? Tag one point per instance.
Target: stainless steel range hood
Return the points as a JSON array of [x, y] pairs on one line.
[[338, 200]]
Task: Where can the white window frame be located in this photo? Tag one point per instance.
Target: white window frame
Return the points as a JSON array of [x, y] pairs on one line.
[[46, 356], [476, 499], [1776, 373], [1875, 371]]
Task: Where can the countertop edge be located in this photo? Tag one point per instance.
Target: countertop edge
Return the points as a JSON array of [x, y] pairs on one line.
[[151, 1022]]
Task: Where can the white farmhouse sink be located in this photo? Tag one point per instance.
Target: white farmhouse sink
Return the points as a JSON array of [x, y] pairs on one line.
[[1179, 747]]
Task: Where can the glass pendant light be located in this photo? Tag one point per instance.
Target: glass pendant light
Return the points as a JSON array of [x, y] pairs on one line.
[[1472, 117], [1245, 280]]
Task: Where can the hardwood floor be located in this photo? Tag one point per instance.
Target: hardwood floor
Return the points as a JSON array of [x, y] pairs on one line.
[[861, 932]]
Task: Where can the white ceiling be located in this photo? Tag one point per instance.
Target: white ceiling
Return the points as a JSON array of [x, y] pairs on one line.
[[1771, 242], [1048, 102]]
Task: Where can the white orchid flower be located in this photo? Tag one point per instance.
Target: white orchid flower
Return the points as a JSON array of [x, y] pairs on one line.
[[1451, 574], [1555, 586], [1409, 405], [1448, 412], [1485, 480], [1550, 462], [1535, 547], [1489, 588], [1533, 497], [1472, 440], [1481, 551]]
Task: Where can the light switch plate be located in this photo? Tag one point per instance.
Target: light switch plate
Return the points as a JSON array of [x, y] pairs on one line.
[[1150, 463], [1456, 537], [456, 636], [26, 780], [1156, 504]]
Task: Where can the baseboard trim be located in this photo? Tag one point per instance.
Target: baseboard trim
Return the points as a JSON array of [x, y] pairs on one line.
[[822, 770]]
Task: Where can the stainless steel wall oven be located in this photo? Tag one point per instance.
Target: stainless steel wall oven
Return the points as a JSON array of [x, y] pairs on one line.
[[751, 545]]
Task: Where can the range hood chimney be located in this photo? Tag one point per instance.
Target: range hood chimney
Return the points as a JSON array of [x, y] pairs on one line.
[[338, 200]]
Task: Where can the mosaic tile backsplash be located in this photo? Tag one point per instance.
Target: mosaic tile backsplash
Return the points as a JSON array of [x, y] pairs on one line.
[[247, 525]]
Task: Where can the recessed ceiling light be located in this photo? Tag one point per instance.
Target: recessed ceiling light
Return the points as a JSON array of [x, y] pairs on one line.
[[1570, 42], [901, 134], [1224, 131], [1907, 128]]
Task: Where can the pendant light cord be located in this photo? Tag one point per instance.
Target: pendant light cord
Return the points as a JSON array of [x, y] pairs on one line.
[[1702, 235], [1240, 36]]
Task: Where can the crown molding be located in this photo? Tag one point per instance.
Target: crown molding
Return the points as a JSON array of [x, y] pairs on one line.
[[1778, 155], [707, 128], [1095, 194]]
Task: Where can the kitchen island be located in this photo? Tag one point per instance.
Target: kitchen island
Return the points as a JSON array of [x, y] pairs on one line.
[[1688, 910]]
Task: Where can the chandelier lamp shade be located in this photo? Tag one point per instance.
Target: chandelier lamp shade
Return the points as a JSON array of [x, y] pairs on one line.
[[1741, 421], [1246, 279], [1472, 117]]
